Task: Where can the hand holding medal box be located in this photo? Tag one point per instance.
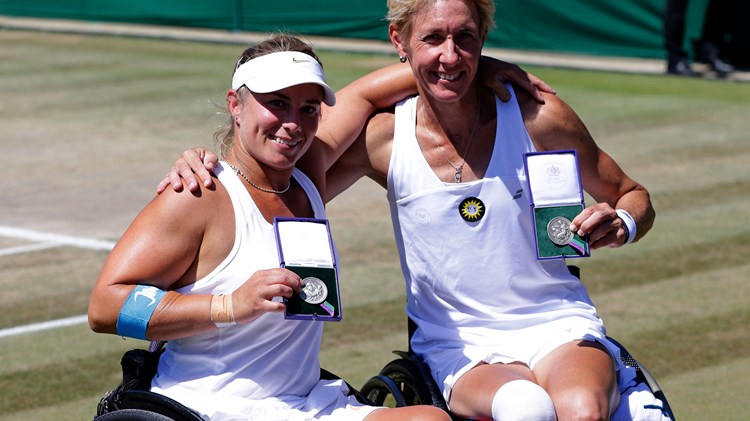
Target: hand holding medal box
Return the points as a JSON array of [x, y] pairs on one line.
[[305, 247], [556, 198]]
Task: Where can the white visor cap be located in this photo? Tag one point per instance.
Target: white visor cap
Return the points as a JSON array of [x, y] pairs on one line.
[[277, 71]]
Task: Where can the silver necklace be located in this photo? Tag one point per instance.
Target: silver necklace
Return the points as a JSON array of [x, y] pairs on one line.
[[457, 168], [238, 172]]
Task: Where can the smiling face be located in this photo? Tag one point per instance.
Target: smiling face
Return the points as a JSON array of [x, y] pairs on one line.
[[443, 47], [276, 128]]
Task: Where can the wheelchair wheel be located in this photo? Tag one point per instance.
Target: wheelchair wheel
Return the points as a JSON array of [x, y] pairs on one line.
[[144, 405], [644, 376], [403, 381], [382, 391], [133, 415]]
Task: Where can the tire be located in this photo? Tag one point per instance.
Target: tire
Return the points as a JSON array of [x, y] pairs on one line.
[[409, 381], [382, 391], [132, 415]]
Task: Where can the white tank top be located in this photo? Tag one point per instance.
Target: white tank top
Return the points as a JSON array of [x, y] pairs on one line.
[[270, 357], [469, 279]]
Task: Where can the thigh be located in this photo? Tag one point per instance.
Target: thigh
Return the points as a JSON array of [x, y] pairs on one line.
[[579, 376], [471, 396], [409, 413]]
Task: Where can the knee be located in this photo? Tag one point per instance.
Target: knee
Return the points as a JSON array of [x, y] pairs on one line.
[[435, 414], [521, 400], [581, 405]]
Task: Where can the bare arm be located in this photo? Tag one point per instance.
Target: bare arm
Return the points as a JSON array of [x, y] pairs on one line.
[[341, 125], [177, 239], [368, 156], [383, 88], [157, 249], [555, 126], [358, 100]]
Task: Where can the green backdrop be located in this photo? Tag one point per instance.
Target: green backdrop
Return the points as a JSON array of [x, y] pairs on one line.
[[599, 27]]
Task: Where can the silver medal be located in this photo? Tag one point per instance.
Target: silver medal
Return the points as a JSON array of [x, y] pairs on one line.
[[314, 291], [558, 231]]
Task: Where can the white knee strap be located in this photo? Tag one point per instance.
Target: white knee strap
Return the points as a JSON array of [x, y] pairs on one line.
[[522, 400]]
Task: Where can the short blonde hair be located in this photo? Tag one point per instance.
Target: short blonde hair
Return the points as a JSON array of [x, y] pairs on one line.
[[400, 13]]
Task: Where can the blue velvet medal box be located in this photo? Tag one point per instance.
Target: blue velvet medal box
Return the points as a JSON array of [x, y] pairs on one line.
[[305, 247], [554, 183]]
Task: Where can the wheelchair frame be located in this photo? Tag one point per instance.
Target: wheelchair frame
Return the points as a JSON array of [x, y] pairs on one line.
[[132, 399], [408, 381], [405, 381]]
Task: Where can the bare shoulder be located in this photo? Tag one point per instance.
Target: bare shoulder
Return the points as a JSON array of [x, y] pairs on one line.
[[191, 211], [380, 126], [379, 134], [374, 142], [369, 155], [553, 125]]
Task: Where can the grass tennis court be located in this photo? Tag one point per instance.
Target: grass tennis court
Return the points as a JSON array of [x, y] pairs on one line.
[[89, 125]]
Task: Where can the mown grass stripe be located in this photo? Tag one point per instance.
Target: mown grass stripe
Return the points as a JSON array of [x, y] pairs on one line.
[[705, 196], [610, 274], [49, 385], [692, 344], [364, 322]]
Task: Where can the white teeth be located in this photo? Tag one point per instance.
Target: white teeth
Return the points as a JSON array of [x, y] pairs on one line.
[[284, 142], [446, 76]]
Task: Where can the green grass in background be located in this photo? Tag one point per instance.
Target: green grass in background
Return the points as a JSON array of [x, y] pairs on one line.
[[679, 300]]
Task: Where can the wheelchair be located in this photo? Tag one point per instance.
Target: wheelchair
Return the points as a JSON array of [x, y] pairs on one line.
[[407, 380], [132, 399]]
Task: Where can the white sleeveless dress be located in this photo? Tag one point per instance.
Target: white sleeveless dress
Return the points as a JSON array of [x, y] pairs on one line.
[[267, 369], [475, 288]]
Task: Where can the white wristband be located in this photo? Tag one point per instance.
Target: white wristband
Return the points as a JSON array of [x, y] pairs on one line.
[[629, 224]]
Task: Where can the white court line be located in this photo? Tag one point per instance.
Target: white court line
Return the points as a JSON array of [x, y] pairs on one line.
[[26, 249], [47, 240], [43, 237], [36, 327]]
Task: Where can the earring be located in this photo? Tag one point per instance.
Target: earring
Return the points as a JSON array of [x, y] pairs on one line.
[[402, 59]]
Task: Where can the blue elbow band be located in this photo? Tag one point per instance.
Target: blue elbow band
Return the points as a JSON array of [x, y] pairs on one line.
[[137, 311]]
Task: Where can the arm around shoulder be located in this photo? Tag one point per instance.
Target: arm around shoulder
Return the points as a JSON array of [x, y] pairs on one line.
[[356, 102]]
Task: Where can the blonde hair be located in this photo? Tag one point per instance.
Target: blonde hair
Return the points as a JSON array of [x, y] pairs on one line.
[[224, 135], [400, 13]]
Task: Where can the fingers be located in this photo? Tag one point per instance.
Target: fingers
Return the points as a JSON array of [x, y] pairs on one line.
[[601, 224], [190, 167], [276, 283], [260, 293], [164, 183], [601, 238], [493, 74], [499, 88], [209, 159], [194, 166], [540, 85], [201, 162], [533, 85]]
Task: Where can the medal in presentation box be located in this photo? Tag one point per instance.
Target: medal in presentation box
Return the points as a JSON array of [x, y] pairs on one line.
[[556, 198], [305, 247]]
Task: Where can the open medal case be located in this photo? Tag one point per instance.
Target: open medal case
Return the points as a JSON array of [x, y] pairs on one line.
[[306, 248], [556, 194]]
